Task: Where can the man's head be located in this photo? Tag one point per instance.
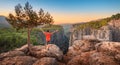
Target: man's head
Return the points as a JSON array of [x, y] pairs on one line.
[[48, 31]]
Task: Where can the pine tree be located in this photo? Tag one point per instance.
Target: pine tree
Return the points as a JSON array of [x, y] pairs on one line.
[[26, 17]]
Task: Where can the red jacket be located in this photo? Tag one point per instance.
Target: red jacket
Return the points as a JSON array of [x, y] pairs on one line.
[[48, 36]]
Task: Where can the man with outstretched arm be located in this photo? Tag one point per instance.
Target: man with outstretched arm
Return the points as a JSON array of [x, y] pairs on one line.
[[48, 35]]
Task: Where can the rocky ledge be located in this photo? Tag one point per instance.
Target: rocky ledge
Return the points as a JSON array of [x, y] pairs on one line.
[[82, 52]]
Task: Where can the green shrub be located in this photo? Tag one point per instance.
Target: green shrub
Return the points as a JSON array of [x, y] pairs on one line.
[[10, 39]]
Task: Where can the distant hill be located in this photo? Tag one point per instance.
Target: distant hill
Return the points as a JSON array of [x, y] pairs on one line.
[[66, 27], [3, 22]]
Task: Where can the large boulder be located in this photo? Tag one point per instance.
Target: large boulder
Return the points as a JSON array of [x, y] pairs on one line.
[[38, 48], [82, 59], [85, 45], [18, 60], [24, 48], [46, 61], [50, 50], [80, 46], [109, 48], [102, 59], [11, 54]]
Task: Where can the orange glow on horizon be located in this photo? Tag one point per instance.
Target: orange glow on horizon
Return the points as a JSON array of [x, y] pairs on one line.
[[76, 18], [65, 18]]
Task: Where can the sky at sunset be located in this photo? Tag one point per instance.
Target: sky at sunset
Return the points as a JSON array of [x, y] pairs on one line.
[[67, 11]]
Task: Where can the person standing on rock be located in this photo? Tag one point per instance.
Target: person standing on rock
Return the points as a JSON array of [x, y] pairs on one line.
[[48, 35]]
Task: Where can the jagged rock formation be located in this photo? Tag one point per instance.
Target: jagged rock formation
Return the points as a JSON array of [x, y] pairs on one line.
[[110, 32]]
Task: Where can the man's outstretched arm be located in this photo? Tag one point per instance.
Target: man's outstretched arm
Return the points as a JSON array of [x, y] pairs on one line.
[[42, 30], [55, 31]]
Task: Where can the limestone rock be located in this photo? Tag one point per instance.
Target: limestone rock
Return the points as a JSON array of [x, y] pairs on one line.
[[82, 59], [80, 46], [37, 48], [50, 50], [18, 60], [102, 59], [46, 61], [11, 54], [85, 45], [109, 48], [115, 23], [24, 48]]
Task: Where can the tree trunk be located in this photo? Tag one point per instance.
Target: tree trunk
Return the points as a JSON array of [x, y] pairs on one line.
[[28, 40]]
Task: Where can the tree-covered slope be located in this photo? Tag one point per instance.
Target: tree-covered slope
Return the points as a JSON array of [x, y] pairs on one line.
[[98, 23]]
